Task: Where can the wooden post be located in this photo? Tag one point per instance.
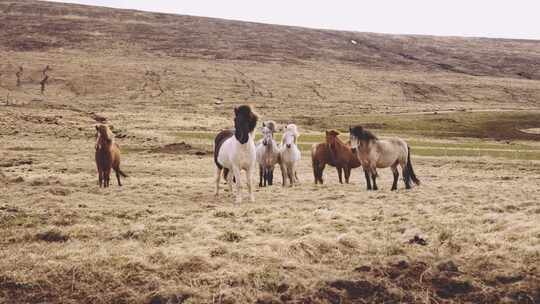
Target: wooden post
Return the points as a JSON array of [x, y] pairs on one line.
[[19, 75], [43, 81]]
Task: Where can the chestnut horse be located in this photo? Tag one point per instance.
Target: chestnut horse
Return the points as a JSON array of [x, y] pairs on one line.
[[335, 153], [107, 156], [341, 155]]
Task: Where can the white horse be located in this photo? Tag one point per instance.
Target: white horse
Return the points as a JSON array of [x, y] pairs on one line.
[[376, 153], [237, 153], [267, 154], [289, 155]]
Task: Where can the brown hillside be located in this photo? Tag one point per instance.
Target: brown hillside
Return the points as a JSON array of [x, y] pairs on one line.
[[33, 26]]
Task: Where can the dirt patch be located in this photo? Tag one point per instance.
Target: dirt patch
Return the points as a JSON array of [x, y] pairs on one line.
[[15, 162], [180, 148], [52, 236], [404, 282]]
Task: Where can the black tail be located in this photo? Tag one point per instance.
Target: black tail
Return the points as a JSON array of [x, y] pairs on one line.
[[315, 165], [410, 176], [121, 173]]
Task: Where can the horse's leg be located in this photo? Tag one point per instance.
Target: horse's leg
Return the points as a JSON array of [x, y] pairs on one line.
[[321, 171], [339, 171], [118, 176], [106, 176], [374, 177], [100, 176], [396, 176], [368, 178], [230, 181], [261, 175], [283, 174], [270, 176], [249, 178], [218, 177], [238, 182], [315, 167], [290, 174], [347, 174]]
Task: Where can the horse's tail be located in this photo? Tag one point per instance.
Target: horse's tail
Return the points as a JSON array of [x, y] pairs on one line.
[[409, 175], [218, 141], [121, 173], [315, 162]]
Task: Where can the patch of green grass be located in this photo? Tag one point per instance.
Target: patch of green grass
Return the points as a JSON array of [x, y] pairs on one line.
[[476, 129], [495, 125]]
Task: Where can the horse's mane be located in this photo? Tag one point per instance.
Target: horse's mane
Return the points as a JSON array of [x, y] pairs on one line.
[[363, 134], [271, 125], [247, 113], [291, 129], [335, 134], [104, 133]]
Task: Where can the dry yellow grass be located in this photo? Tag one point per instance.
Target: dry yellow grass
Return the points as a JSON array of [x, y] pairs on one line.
[[164, 238]]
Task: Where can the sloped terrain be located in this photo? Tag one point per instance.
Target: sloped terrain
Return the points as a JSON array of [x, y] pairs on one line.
[[468, 107]]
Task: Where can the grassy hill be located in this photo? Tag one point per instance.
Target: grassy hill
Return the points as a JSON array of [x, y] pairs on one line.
[[468, 107]]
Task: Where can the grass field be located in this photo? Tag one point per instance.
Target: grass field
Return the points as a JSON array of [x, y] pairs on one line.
[[167, 84]]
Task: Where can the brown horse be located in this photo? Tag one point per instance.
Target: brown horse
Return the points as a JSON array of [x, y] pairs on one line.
[[107, 156], [341, 155], [320, 157], [334, 153]]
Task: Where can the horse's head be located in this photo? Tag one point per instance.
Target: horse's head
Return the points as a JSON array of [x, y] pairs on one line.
[[245, 121], [103, 135], [292, 128], [271, 125], [267, 136], [360, 138], [331, 137], [288, 139]]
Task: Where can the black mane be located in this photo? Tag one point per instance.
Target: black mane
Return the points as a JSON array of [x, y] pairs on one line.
[[245, 121], [245, 113], [362, 134]]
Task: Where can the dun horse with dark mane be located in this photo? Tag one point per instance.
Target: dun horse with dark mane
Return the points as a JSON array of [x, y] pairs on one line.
[[107, 156], [382, 153]]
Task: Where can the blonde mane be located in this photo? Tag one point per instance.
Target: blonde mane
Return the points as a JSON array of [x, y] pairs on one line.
[[104, 135]]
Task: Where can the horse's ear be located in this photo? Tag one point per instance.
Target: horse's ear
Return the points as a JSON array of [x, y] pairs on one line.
[[326, 132], [235, 110], [97, 128]]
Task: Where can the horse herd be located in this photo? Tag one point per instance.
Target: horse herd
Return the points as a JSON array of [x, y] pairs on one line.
[[235, 151]]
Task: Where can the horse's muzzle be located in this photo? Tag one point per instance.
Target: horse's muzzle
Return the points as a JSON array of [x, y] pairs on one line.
[[353, 150], [288, 146]]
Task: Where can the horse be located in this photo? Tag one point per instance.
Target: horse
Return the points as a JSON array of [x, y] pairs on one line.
[[341, 155], [289, 155], [234, 150], [267, 154], [379, 153], [107, 156], [320, 157], [293, 129]]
